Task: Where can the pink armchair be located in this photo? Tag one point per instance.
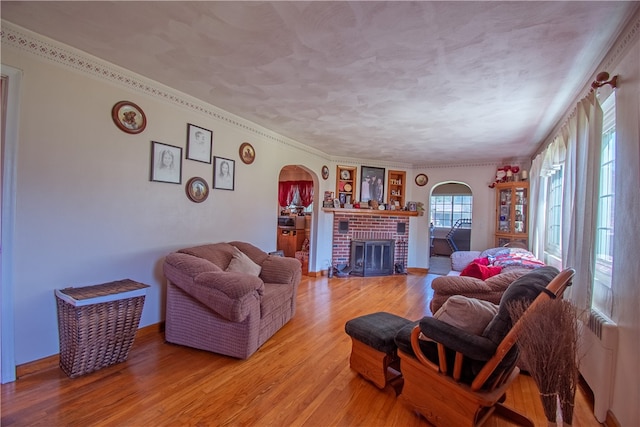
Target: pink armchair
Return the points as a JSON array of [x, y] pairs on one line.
[[228, 298]]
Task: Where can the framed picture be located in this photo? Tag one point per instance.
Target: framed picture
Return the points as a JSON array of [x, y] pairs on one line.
[[199, 143], [247, 153], [223, 173], [166, 163], [128, 117], [421, 179], [325, 172], [372, 184], [197, 189]]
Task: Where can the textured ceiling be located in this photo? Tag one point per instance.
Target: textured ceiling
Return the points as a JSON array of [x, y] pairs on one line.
[[410, 82]]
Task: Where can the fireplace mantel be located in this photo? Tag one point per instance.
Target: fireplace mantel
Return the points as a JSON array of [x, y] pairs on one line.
[[370, 212]]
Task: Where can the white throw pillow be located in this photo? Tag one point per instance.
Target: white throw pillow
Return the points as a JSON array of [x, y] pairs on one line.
[[469, 314], [241, 263]]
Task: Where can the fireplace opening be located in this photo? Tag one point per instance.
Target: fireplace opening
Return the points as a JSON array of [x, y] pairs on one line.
[[372, 257]]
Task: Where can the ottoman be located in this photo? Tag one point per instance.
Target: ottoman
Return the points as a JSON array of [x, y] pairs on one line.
[[373, 351]]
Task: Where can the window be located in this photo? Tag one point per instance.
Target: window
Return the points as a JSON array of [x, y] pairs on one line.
[[447, 209], [553, 239], [603, 254]]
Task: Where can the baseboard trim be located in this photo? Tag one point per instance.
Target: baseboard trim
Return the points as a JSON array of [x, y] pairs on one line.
[[418, 270], [51, 362], [611, 420], [39, 365]]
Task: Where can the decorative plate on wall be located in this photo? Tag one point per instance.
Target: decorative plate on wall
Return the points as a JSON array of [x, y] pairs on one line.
[[345, 174], [128, 117], [247, 153], [325, 172], [197, 189], [421, 179]]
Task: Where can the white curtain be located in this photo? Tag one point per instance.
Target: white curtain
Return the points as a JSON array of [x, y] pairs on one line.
[[578, 148], [579, 232], [544, 166]]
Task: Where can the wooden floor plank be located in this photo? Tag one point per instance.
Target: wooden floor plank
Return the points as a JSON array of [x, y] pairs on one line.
[[300, 377]]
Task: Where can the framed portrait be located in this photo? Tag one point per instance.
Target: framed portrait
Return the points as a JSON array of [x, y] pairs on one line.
[[372, 184], [223, 173], [247, 153], [325, 172], [197, 189], [128, 117], [199, 143], [422, 179], [166, 163]]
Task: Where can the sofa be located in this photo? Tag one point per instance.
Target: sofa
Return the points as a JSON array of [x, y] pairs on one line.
[[511, 263], [228, 298]]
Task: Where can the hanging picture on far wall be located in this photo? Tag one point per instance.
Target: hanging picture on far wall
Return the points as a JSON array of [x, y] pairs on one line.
[[372, 184], [166, 163], [223, 173], [199, 143]]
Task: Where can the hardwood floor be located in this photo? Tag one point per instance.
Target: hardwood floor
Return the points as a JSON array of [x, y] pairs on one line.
[[300, 377]]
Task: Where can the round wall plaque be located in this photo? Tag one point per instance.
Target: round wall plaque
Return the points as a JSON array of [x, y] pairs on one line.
[[421, 179], [247, 153]]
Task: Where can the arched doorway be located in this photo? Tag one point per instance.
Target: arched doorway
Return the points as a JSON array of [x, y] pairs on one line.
[[450, 210], [297, 189]]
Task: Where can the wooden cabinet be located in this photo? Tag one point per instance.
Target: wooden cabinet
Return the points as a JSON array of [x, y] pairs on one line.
[[346, 183], [395, 188], [290, 241], [512, 213]]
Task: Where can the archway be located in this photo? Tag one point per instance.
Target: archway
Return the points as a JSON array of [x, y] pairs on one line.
[[450, 211], [297, 208]]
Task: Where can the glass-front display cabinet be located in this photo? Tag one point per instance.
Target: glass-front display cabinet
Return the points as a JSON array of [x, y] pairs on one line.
[[512, 213]]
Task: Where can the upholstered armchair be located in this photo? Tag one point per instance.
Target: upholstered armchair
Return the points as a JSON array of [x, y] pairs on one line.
[[228, 298]]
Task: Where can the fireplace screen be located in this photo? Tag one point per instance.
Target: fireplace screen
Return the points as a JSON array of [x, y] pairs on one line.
[[372, 257]]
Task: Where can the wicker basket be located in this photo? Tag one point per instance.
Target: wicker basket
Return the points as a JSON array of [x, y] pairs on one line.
[[97, 324]]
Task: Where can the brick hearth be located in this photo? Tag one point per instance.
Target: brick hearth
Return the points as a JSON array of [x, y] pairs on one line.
[[362, 227]]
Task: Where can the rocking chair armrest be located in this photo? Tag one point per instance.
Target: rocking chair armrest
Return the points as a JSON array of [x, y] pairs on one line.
[[472, 346]]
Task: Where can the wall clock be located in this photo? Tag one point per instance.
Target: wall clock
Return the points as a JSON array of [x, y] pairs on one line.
[[421, 179]]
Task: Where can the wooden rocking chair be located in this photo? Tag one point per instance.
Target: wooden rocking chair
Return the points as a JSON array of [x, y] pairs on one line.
[[483, 367]]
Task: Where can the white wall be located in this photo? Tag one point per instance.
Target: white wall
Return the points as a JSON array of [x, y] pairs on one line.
[[626, 274], [86, 212], [478, 179]]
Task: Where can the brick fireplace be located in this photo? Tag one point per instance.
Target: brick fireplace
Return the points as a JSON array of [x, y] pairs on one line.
[[350, 226]]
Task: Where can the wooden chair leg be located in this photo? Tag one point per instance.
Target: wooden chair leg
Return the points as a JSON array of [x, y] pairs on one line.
[[512, 415]]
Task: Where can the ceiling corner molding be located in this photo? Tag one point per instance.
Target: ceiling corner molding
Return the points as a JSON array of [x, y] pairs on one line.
[[16, 37], [628, 35]]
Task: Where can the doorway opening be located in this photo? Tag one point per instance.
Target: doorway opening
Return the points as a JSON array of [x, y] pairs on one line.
[[451, 206], [296, 195]]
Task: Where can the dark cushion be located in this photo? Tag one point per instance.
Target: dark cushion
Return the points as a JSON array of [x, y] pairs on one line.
[[376, 330], [525, 288]]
